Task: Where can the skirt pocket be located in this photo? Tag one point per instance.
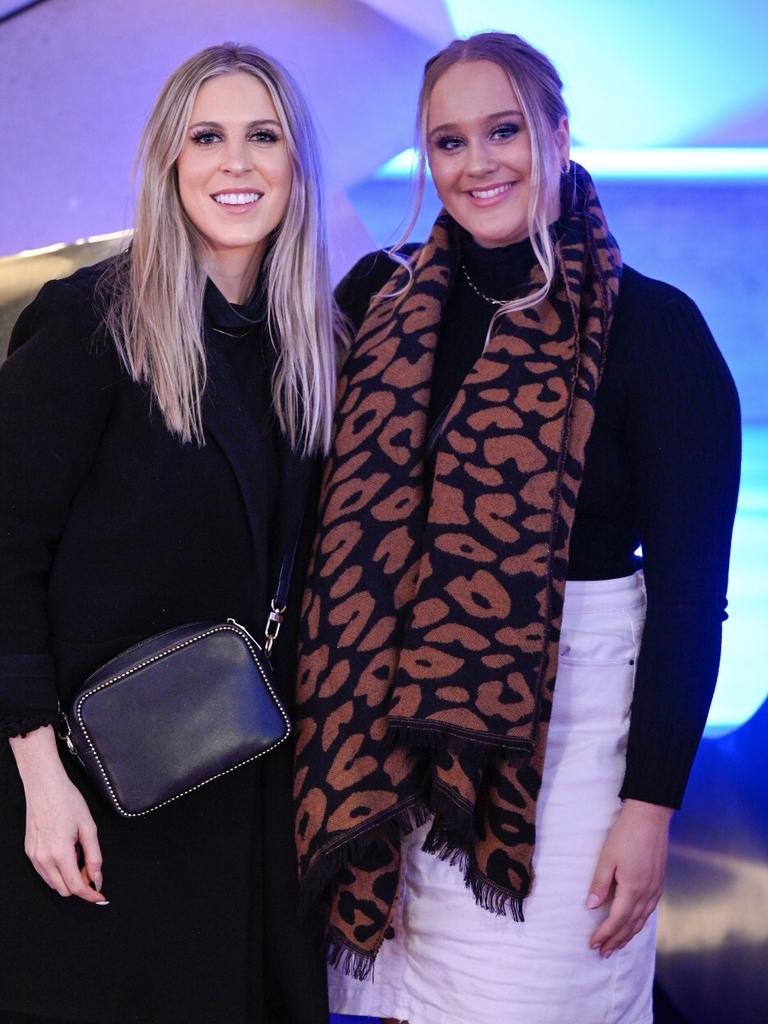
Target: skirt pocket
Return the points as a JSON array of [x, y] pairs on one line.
[[610, 639]]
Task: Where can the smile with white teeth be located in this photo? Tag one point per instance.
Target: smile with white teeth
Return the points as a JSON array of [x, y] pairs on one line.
[[489, 193], [236, 198]]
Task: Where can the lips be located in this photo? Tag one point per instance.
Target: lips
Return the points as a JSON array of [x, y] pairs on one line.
[[239, 198], [490, 194]]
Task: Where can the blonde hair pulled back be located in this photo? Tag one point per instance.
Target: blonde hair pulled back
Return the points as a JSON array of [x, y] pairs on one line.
[[538, 88]]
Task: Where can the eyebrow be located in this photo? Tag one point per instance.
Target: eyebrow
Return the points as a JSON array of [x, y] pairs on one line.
[[251, 124], [452, 126]]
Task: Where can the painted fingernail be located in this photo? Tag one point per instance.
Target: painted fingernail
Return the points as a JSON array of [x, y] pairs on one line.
[[593, 901], [101, 903]]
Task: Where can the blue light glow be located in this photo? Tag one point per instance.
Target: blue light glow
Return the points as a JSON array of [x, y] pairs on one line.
[[742, 687], [643, 74], [689, 163]]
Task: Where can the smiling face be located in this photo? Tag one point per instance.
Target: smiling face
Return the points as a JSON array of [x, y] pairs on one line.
[[479, 150], [234, 173]]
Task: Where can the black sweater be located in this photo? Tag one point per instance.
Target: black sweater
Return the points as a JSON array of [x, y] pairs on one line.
[[661, 471]]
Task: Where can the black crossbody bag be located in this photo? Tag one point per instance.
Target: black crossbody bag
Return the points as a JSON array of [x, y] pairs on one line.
[[179, 710]]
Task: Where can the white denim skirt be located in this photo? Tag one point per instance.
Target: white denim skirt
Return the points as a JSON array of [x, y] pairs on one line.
[[451, 962]]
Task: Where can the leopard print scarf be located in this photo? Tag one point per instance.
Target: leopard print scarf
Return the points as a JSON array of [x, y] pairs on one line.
[[430, 627]]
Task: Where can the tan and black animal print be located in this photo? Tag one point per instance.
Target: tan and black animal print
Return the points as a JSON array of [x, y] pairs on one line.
[[430, 625]]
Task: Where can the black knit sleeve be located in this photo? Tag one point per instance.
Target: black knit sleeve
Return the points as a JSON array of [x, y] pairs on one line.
[[55, 395], [356, 289], [684, 441]]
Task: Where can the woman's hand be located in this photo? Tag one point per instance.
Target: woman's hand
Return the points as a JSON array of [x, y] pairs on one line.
[[58, 820], [631, 867]]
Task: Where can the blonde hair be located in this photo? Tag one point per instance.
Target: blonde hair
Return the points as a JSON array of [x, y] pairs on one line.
[[538, 88], [154, 291]]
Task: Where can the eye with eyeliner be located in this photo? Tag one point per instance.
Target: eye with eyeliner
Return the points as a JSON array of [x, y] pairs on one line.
[[503, 132], [448, 142], [205, 136], [268, 135], [209, 136]]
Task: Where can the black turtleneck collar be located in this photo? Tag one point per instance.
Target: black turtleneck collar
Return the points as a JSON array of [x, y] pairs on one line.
[[501, 272], [225, 316]]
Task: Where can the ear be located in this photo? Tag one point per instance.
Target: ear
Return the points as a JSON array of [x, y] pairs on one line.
[[563, 142]]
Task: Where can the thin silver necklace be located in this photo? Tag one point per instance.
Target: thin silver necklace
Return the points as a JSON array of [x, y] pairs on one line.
[[476, 290], [229, 334]]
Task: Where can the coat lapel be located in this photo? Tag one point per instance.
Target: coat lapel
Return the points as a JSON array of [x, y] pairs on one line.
[[248, 446], [294, 513], [245, 443], [273, 480]]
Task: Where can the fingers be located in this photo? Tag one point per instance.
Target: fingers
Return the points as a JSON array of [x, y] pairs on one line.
[[59, 869], [602, 881], [74, 879], [632, 859], [628, 914], [100, 899], [60, 828], [618, 918], [50, 874], [62, 874], [89, 843], [624, 935]]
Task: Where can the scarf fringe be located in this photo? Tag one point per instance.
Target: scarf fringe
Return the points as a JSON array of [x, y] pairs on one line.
[[413, 817], [487, 895], [451, 840], [353, 962], [327, 866], [412, 736]]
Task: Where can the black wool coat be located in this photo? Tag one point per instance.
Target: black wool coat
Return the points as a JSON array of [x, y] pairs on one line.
[[111, 530]]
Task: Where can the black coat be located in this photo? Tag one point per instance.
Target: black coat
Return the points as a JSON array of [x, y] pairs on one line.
[[110, 531]]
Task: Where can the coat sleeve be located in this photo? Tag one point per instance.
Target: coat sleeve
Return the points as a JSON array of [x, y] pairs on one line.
[[684, 442], [356, 289], [56, 390]]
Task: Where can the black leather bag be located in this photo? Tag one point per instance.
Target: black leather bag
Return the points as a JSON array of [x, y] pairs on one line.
[[174, 713], [178, 710]]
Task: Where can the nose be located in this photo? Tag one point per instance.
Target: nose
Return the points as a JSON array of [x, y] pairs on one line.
[[480, 158], [236, 157]]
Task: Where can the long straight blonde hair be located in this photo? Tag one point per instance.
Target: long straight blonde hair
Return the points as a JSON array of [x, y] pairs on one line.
[[154, 290], [539, 89]]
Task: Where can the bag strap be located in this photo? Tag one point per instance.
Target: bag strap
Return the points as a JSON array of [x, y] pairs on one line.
[[436, 431], [279, 602]]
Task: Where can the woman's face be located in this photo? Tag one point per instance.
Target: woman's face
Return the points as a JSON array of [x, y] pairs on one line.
[[234, 171], [479, 150]]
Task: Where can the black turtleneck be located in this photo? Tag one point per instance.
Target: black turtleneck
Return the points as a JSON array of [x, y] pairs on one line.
[[240, 334], [496, 273], [661, 470]]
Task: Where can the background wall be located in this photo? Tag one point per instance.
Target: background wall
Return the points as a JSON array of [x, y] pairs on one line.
[[77, 78]]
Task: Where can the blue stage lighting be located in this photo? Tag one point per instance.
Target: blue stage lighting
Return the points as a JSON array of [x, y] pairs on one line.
[[707, 163]]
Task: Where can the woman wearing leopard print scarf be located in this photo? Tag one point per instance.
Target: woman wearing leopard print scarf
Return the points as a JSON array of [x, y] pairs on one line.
[[498, 701]]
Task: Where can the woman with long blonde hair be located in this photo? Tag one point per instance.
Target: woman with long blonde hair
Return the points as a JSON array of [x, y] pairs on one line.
[[499, 700], [159, 416]]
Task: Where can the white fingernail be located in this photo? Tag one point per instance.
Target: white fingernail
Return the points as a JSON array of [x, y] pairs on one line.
[[102, 903]]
